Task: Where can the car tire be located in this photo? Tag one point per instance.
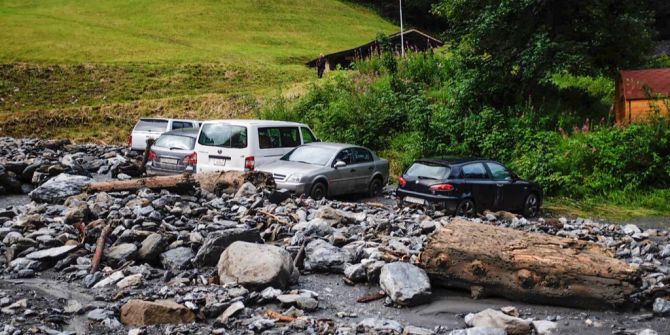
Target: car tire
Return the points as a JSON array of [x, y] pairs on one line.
[[319, 191], [375, 187], [531, 206], [466, 208]]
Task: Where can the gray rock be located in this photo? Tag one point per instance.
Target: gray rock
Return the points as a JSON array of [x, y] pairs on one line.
[[405, 284], [479, 331], [246, 190], [665, 252], [216, 242], [543, 327], [151, 248], [355, 272], [12, 237], [412, 330], [321, 256], [120, 253], [99, 314], [270, 293], [57, 189], [73, 307], [662, 307], [496, 319], [379, 326], [110, 280], [230, 311], [52, 253], [631, 229], [256, 266], [177, 258], [304, 301]]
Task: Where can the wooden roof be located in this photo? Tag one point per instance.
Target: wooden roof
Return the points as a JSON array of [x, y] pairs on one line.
[[645, 84], [411, 34]]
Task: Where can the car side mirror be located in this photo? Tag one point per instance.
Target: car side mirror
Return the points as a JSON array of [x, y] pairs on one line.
[[338, 164], [515, 177]]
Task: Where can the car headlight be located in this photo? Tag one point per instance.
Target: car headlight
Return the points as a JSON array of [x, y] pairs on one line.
[[294, 178]]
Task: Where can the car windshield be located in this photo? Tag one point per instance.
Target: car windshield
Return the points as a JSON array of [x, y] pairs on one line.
[[424, 170], [151, 125], [223, 135], [175, 142], [310, 155]]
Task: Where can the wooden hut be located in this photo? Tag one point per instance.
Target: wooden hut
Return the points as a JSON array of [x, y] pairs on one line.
[[641, 93], [415, 40]]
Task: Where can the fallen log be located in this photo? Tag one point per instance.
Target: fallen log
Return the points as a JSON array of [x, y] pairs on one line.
[[214, 182], [531, 267]]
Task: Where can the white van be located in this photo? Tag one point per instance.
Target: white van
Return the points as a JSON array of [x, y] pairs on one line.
[[153, 127], [241, 145]]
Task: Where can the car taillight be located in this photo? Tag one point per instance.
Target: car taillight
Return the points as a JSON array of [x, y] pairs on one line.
[[152, 156], [442, 187], [402, 181], [191, 159], [249, 163], [130, 140]]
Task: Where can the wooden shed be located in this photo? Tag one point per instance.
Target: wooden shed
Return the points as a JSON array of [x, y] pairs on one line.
[[641, 93], [414, 40]]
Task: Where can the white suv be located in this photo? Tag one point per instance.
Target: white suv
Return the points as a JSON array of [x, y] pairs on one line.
[[153, 127], [241, 145]]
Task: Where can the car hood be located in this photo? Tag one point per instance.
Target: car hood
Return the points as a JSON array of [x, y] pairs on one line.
[[287, 168]]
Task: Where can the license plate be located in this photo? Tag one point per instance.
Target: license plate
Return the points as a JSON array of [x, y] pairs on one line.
[[218, 161], [169, 161], [415, 200]]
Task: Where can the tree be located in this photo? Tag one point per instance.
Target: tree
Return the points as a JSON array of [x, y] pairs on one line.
[[510, 48]]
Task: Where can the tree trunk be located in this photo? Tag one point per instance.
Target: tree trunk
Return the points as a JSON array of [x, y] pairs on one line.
[[526, 266], [214, 182]]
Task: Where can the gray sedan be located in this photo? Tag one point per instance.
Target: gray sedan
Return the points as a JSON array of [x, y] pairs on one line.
[[173, 153], [327, 169]]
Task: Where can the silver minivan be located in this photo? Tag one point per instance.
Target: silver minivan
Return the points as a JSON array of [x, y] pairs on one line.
[[147, 128], [242, 145]]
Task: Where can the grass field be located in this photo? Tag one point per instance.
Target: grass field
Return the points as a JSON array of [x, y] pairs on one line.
[[87, 69]]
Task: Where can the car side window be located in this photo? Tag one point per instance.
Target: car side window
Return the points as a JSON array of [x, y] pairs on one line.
[[474, 171], [499, 172], [345, 156], [361, 155], [181, 125], [279, 137], [307, 136]]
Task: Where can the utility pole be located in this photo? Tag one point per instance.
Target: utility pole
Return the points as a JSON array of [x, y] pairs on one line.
[[402, 37]]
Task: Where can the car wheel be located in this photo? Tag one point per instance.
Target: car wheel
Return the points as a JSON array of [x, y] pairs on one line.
[[375, 188], [531, 207], [466, 208], [318, 191]]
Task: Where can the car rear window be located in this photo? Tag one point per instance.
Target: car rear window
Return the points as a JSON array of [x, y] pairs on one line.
[[310, 155], [151, 125], [223, 135], [424, 170], [175, 142]]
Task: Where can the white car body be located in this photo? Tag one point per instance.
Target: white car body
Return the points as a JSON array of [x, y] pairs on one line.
[[239, 145], [150, 127]]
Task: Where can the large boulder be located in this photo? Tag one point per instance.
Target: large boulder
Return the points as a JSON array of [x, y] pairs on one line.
[[216, 242], [141, 313], [321, 256], [57, 189], [52, 253], [152, 246], [405, 284], [496, 319], [256, 266], [120, 253]]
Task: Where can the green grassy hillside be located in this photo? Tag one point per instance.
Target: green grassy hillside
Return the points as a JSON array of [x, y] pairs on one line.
[[69, 59]]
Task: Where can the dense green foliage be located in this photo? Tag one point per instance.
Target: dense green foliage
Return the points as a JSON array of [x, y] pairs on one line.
[[525, 42], [404, 111]]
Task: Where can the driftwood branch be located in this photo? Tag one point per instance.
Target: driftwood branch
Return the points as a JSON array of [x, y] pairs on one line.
[[100, 247]]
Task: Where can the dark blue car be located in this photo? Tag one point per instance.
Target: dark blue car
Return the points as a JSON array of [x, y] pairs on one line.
[[466, 186]]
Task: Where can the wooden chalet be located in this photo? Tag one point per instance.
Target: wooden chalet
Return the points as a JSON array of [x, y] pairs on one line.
[[415, 40], [640, 93]]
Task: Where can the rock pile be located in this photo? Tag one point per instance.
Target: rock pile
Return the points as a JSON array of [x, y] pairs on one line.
[[197, 262]]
